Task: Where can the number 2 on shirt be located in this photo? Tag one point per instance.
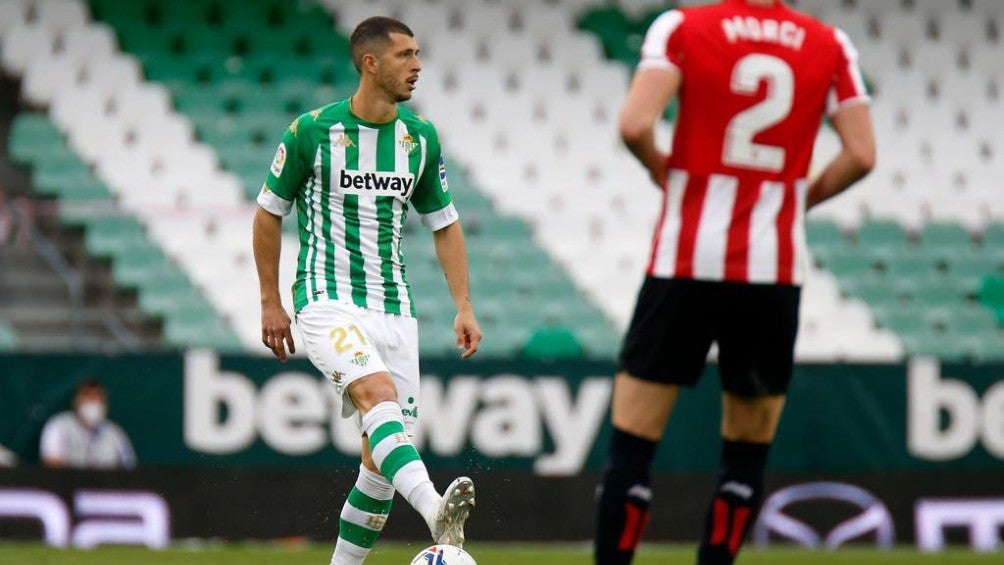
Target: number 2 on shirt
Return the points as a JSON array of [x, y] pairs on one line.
[[739, 149]]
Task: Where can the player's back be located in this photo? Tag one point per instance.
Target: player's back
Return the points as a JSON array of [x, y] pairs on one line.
[[755, 86], [756, 83]]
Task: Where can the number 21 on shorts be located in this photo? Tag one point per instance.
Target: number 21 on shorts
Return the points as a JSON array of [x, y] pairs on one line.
[[347, 337]]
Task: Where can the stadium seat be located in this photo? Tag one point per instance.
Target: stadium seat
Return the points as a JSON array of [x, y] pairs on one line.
[[61, 15], [8, 338], [25, 44]]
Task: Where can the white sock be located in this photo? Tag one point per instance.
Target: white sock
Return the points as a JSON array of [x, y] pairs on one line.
[[363, 517], [398, 460]]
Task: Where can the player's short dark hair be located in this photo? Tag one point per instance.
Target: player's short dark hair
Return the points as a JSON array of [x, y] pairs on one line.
[[374, 30]]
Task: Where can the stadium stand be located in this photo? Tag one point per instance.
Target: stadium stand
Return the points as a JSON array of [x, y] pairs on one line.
[[103, 130], [239, 88], [525, 96]]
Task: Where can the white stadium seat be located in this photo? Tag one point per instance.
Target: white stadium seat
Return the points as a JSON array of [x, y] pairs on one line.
[[13, 13], [94, 42], [61, 15], [25, 44], [45, 78]]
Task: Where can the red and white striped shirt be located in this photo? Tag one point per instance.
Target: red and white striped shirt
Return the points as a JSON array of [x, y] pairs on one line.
[[757, 82]]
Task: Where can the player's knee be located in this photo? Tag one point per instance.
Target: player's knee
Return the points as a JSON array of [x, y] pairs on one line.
[[631, 453], [751, 419], [371, 390]]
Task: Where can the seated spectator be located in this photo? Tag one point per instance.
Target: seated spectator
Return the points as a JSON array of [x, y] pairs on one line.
[[84, 437]]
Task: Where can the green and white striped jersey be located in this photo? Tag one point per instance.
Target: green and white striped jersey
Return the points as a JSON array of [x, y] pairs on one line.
[[351, 181]]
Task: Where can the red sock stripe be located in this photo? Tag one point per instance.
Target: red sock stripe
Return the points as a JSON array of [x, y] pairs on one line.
[[738, 526], [719, 521], [634, 526], [629, 537]]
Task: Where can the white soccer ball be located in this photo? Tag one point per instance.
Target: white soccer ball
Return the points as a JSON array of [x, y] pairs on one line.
[[443, 555]]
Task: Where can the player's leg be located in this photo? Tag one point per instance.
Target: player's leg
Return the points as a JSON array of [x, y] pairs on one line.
[[657, 357], [388, 404], [364, 513], [748, 428], [639, 411], [756, 349]]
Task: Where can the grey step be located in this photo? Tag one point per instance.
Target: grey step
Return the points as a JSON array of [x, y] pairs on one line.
[[20, 314]]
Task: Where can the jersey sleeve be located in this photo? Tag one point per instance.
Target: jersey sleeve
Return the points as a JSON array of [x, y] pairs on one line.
[[848, 87], [662, 47], [432, 198], [288, 172]]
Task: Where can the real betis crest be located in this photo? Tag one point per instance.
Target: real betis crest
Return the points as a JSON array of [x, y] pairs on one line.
[[408, 143]]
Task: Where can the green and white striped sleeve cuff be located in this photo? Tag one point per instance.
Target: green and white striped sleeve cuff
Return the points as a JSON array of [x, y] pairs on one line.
[[441, 218], [274, 204]]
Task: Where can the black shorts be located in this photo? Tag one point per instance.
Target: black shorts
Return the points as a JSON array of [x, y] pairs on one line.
[[676, 320]]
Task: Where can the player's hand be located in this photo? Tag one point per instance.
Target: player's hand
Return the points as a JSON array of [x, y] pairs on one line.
[[468, 332], [275, 332]]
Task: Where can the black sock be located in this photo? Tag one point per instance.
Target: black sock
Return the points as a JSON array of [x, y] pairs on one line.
[[623, 498], [736, 502]]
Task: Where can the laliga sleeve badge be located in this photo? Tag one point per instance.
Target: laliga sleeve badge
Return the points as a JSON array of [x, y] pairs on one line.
[[279, 161]]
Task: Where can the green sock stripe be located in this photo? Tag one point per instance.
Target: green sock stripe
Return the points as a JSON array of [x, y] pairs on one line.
[[384, 430], [357, 534], [361, 501], [398, 458]]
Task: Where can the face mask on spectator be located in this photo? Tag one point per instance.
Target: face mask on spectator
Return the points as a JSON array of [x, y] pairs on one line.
[[92, 412]]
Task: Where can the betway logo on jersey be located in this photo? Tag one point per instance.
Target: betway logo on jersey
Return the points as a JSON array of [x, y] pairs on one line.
[[380, 183]]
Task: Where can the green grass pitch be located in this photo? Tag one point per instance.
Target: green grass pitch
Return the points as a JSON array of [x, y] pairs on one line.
[[511, 554]]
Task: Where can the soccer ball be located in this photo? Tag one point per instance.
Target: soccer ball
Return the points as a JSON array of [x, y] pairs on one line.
[[443, 555]]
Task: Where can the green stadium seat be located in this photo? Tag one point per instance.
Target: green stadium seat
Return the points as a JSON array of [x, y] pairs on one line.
[[115, 235], [609, 23], [939, 290], [874, 290], [33, 136], [169, 68], [848, 263], [944, 346], [903, 321], [823, 234], [211, 333], [945, 236], [162, 302], [140, 265], [882, 240], [908, 265], [8, 337], [991, 292], [972, 319], [550, 343], [987, 347], [993, 236]]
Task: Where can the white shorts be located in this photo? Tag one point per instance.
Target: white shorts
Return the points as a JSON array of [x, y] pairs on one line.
[[346, 343]]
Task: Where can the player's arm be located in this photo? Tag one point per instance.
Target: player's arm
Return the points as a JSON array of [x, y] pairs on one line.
[[275, 322], [432, 200], [286, 174], [655, 83], [649, 94], [856, 158], [452, 254], [851, 118]]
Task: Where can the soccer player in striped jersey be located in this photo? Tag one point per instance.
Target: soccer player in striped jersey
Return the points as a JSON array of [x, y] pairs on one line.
[[754, 79], [351, 169]]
